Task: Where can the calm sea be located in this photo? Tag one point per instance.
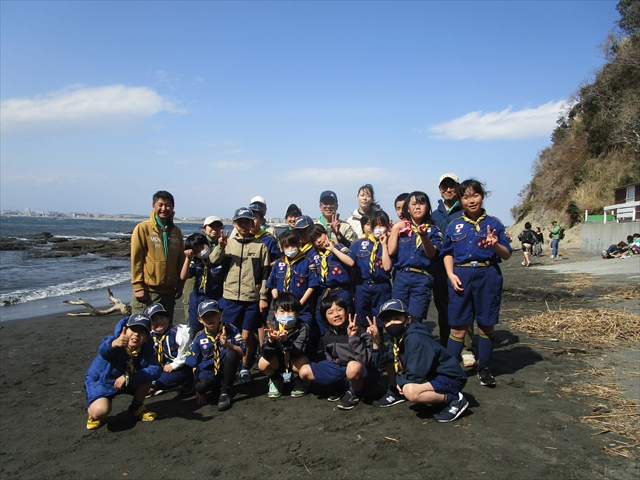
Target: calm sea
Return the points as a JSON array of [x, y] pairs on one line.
[[37, 286]]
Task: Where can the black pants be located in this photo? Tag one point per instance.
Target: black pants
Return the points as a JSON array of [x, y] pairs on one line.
[[441, 300], [206, 381]]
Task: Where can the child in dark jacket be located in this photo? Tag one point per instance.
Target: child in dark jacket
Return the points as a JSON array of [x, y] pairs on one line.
[[284, 346], [347, 348], [126, 363], [425, 371]]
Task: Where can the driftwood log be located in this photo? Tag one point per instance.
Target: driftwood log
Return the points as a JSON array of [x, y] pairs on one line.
[[118, 306]]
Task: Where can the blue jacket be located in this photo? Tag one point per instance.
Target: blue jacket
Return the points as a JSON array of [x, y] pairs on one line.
[[111, 363], [361, 253], [272, 246], [421, 357], [201, 352], [442, 218], [466, 244]]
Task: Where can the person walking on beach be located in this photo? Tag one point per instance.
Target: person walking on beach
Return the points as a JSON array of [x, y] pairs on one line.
[[157, 255]]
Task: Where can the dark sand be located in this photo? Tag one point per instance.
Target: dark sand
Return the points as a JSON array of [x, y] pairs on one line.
[[524, 428]]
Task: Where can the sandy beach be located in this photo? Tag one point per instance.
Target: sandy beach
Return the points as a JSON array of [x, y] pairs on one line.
[[527, 427]]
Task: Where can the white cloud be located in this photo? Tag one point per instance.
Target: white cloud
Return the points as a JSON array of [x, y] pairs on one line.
[[77, 109], [40, 180], [235, 164], [507, 124], [341, 175]]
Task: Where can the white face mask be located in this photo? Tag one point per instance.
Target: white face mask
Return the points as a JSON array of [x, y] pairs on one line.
[[291, 252], [204, 253], [287, 321], [377, 232]]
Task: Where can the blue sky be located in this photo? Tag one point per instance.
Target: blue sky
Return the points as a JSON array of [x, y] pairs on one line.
[[103, 103]]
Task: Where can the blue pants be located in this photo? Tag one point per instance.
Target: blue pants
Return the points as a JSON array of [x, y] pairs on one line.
[[480, 299], [554, 247], [414, 289], [328, 374], [369, 297], [243, 315], [173, 379]]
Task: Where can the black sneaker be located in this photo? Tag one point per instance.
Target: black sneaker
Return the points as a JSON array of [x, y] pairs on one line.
[[348, 401], [486, 379], [224, 402], [453, 410], [389, 399]]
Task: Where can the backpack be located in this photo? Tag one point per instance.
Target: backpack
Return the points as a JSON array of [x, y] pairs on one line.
[[561, 233]]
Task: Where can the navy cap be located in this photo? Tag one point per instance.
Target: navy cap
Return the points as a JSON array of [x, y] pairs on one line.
[[393, 305], [242, 212], [139, 319], [153, 309], [256, 207], [208, 306], [303, 222], [329, 194]]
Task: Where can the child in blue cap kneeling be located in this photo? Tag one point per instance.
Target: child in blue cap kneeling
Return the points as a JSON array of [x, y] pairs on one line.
[[126, 363], [425, 371]]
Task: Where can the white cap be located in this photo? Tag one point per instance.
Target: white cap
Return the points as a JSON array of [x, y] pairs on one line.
[[209, 220], [258, 199], [452, 176]]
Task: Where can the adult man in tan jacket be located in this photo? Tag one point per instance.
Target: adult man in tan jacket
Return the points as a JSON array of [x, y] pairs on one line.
[[157, 255]]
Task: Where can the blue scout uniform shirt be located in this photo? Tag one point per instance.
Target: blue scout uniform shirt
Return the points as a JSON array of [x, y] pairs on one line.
[[212, 287], [166, 344], [337, 274], [202, 351], [411, 252], [466, 241], [361, 251], [271, 243], [302, 276]]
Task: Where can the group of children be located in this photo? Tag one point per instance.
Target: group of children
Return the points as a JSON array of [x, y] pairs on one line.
[[313, 310]]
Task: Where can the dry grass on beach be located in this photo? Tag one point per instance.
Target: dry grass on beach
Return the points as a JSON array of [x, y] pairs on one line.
[[575, 282], [596, 327]]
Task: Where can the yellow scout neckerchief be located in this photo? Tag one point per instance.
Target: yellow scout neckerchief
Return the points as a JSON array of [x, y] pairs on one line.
[[287, 361], [306, 247], [159, 344], [397, 365], [216, 348], [324, 264], [418, 238], [130, 368], [374, 252], [261, 233], [477, 222], [290, 263]]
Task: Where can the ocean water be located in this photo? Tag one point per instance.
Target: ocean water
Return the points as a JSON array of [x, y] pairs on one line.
[[37, 286]]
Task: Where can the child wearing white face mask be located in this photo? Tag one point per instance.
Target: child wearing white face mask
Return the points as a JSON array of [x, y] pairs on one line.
[[209, 280], [293, 273], [373, 267], [283, 348]]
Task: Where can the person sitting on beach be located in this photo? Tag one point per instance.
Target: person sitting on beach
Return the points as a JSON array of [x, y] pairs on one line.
[[245, 268], [171, 345], [332, 266], [348, 364], [284, 345], [425, 372], [125, 363], [209, 282], [215, 355]]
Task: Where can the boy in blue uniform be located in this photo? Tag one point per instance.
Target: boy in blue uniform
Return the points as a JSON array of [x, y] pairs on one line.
[[215, 355], [473, 247], [284, 346], [171, 346], [425, 372], [293, 274], [126, 363], [348, 362], [373, 267], [332, 265], [208, 277]]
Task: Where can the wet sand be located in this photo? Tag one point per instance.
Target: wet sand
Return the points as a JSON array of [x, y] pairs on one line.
[[524, 428]]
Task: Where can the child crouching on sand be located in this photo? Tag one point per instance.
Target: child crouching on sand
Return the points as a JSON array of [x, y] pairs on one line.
[[215, 355], [425, 371], [347, 348], [284, 346], [125, 364]]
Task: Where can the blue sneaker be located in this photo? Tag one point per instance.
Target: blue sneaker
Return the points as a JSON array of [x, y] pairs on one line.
[[389, 399], [453, 410], [245, 376]]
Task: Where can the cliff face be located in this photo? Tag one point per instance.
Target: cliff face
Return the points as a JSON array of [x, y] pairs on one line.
[[596, 146]]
